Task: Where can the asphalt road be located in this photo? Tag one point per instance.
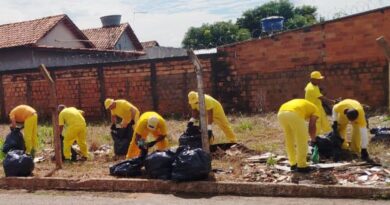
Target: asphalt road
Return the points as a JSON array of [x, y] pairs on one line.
[[17, 197]]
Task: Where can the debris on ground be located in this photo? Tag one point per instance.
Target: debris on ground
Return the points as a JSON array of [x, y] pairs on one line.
[[272, 168]]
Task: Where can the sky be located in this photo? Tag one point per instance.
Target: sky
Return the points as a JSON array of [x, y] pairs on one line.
[[163, 20]]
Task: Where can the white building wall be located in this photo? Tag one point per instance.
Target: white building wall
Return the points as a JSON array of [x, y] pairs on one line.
[[61, 36], [124, 43]]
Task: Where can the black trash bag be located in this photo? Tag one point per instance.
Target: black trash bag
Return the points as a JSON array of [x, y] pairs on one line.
[[327, 108], [18, 164], [122, 138], [381, 134], [131, 167], [14, 141], [329, 147], [73, 152], [192, 137], [158, 165], [191, 164]]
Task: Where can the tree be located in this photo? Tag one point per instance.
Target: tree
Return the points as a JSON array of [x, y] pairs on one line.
[[213, 35], [294, 17]]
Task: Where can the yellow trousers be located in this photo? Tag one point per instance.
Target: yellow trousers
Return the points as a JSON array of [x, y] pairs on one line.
[[355, 145], [296, 137], [134, 151], [78, 134], [322, 124], [31, 133], [222, 122]]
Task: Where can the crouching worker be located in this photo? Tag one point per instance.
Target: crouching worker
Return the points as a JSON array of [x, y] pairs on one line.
[[75, 130], [123, 109], [352, 111], [27, 115], [215, 113], [292, 117], [148, 123]]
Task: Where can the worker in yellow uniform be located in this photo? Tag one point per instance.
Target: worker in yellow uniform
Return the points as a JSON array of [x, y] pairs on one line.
[[75, 130], [215, 113], [292, 117], [148, 123], [123, 109], [27, 115], [314, 95], [352, 111]]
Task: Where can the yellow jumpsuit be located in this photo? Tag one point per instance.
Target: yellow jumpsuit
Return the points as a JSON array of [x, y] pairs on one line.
[[123, 110], [27, 115], [312, 94], [219, 116], [142, 130], [75, 130], [343, 121], [292, 117]]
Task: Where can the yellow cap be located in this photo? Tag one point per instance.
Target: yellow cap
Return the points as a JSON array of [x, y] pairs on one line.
[[108, 102], [192, 97], [316, 75], [152, 123]]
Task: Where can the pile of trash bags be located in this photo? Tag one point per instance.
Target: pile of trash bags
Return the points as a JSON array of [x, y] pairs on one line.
[[122, 138], [186, 163], [16, 163]]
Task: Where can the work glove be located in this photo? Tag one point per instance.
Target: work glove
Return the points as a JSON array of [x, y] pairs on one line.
[[113, 126], [141, 143], [132, 122], [335, 127], [150, 144], [364, 155]]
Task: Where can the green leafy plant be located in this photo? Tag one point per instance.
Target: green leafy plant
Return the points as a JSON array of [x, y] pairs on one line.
[[271, 161]]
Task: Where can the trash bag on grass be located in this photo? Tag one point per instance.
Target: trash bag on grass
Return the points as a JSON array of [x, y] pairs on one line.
[[131, 167], [18, 164], [381, 134], [330, 146], [191, 164], [192, 137], [122, 138], [158, 165], [14, 141]]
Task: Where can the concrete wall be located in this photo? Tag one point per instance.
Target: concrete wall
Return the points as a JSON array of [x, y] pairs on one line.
[[61, 36]]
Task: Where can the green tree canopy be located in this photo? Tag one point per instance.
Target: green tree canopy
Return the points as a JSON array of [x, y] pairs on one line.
[[294, 17], [213, 35]]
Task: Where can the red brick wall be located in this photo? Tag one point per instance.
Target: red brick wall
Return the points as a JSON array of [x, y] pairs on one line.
[[81, 87], [267, 72]]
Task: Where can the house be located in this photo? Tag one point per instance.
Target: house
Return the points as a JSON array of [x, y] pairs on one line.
[[114, 36], [56, 41]]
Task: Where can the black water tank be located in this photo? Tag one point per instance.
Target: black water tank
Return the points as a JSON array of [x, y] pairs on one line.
[[111, 20]]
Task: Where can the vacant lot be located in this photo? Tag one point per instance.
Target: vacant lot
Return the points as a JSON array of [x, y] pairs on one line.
[[260, 133]]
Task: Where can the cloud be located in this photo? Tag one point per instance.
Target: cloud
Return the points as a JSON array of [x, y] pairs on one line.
[[166, 20]]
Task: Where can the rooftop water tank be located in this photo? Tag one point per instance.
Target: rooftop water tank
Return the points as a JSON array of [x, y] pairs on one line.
[[272, 24], [111, 20]]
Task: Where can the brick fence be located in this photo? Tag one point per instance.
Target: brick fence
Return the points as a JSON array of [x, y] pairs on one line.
[[150, 85], [264, 73], [251, 76]]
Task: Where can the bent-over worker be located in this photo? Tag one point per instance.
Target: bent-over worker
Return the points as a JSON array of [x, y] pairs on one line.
[[292, 117], [27, 115], [352, 111], [215, 113], [75, 130], [148, 123]]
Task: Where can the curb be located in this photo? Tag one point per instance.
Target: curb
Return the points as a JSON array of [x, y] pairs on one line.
[[199, 187]]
